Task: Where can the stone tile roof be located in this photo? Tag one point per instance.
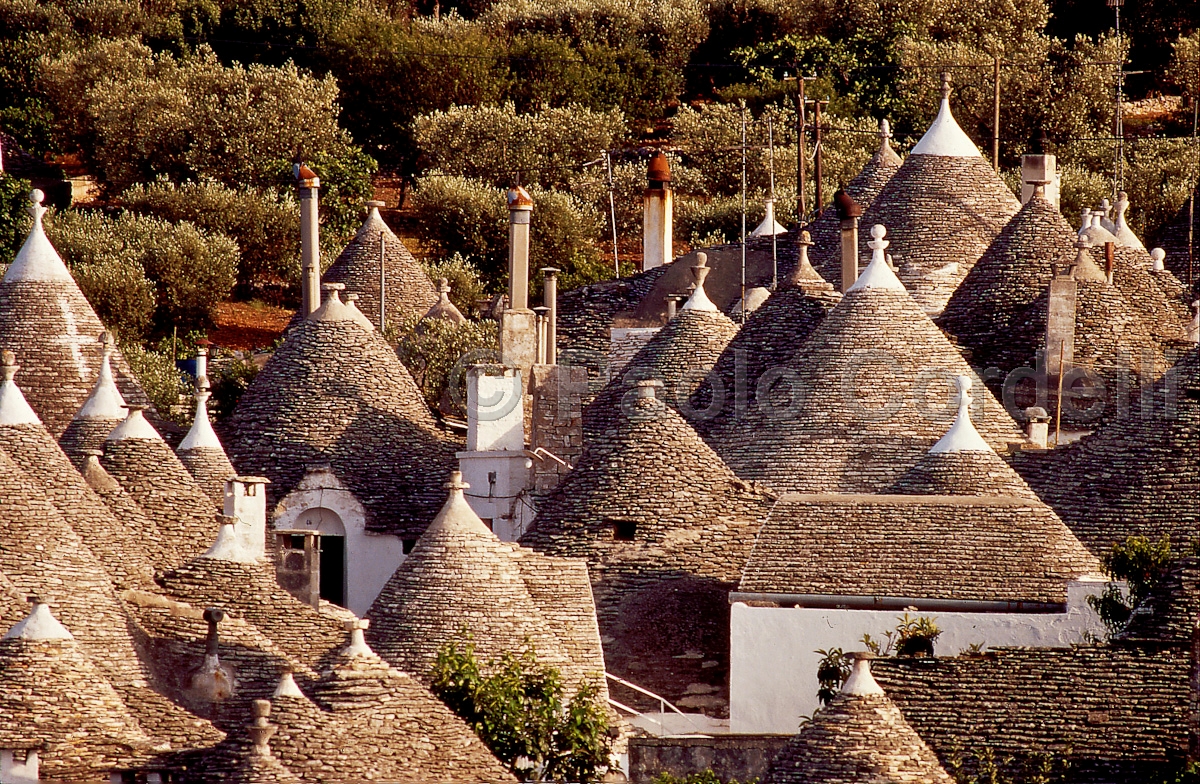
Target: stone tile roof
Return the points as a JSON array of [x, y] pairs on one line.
[[1112, 712], [859, 736], [203, 456], [126, 510], [935, 547], [60, 705], [691, 525], [459, 579], [861, 400], [137, 457], [1169, 613], [335, 393], [250, 591], [1165, 317], [410, 292], [47, 322], [1138, 475], [767, 340], [942, 214], [963, 473], [680, 355]]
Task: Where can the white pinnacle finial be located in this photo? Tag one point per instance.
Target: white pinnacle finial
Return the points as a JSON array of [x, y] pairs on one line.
[[230, 547], [885, 131], [287, 687], [1125, 236], [38, 260], [201, 434], [945, 138], [134, 427], [14, 408], [1158, 256], [878, 274], [699, 300], [861, 682], [105, 401], [962, 435], [40, 624], [358, 642]]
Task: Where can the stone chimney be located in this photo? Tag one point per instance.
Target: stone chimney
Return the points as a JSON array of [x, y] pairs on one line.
[[261, 730], [550, 301], [1039, 175], [518, 338], [246, 504], [657, 214], [310, 240], [1037, 427], [1060, 319], [849, 212], [202, 349]]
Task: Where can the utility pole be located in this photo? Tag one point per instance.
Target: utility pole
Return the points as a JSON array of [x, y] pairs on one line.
[[1119, 167], [996, 111], [743, 105], [817, 167], [1192, 197], [612, 214]]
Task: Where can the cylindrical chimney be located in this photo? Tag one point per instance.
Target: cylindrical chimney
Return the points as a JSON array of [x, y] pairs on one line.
[[849, 212], [310, 240], [202, 361], [541, 318], [657, 214], [550, 300], [520, 209]]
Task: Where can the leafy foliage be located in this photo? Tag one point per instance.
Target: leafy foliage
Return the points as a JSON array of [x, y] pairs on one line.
[[911, 637], [518, 708], [1142, 564], [163, 382], [229, 377], [832, 671], [437, 354], [14, 216], [703, 777], [466, 284]]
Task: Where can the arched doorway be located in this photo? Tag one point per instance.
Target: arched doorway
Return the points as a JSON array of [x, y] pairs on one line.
[[331, 548]]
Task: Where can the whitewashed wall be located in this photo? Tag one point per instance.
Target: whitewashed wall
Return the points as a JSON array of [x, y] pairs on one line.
[[773, 667]]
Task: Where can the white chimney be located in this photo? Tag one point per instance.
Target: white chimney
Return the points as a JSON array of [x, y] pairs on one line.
[[246, 503], [1040, 171], [1037, 427], [520, 209], [657, 215], [310, 240]]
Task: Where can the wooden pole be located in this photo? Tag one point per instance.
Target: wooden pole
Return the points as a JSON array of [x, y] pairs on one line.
[[801, 155], [820, 200], [996, 112]]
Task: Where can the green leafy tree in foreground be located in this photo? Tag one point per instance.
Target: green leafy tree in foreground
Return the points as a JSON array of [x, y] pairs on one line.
[[1141, 564], [518, 708]]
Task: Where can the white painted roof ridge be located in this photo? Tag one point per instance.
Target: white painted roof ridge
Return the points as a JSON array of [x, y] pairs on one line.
[[14, 408], [40, 624], [201, 435], [861, 682], [699, 299], [962, 435], [38, 260], [134, 427], [769, 226], [456, 514], [1125, 236], [945, 138], [333, 309], [230, 547], [878, 274], [105, 401]]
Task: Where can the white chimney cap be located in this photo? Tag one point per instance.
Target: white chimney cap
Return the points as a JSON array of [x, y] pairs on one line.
[[38, 260], [944, 137], [201, 435], [105, 401], [962, 435], [878, 274], [287, 687], [40, 624], [134, 427], [769, 226], [14, 408], [861, 682], [230, 547]]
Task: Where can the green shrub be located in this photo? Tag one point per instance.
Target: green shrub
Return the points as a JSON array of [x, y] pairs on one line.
[[1142, 564], [228, 377], [466, 284], [703, 777], [264, 223], [518, 708], [14, 216], [192, 271], [437, 354], [165, 385], [832, 671]]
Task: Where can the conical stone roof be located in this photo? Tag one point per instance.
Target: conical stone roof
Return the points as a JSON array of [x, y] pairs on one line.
[[459, 579], [862, 400], [56, 702], [864, 188], [47, 322], [103, 410], [859, 737], [1136, 476], [203, 456], [943, 208], [408, 289], [663, 558], [130, 561], [680, 355], [137, 457], [767, 340], [335, 393]]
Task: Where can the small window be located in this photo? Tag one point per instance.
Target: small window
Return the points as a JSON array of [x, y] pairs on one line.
[[297, 541], [488, 522], [624, 530], [408, 545]]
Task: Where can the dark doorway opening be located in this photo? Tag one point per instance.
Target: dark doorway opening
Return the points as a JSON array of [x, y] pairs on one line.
[[333, 569]]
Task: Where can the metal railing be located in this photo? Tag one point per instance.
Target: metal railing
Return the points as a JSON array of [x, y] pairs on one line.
[[663, 705]]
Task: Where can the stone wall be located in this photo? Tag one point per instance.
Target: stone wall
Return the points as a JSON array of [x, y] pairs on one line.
[[557, 421], [740, 757]]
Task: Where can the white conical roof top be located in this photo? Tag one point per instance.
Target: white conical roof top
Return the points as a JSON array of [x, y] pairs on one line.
[[878, 274], [38, 260], [40, 624], [769, 226], [14, 409], [134, 427], [699, 299], [230, 547], [106, 401], [201, 435], [962, 435], [945, 138], [861, 682]]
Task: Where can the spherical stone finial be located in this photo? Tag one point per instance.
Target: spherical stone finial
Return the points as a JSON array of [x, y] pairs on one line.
[[1158, 256], [36, 196], [878, 232], [946, 85], [456, 482], [963, 384], [885, 129], [805, 238], [701, 259]]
